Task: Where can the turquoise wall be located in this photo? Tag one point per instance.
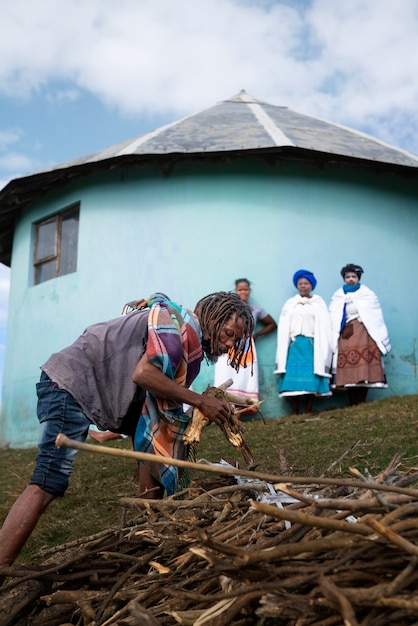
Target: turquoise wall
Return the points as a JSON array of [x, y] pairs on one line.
[[193, 231]]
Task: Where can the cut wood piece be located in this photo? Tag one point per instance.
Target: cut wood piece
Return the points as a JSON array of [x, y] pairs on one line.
[[231, 427]]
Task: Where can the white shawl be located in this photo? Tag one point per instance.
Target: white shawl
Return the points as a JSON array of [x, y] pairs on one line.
[[370, 315], [322, 337]]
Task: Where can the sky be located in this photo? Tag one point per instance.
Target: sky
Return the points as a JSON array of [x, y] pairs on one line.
[[79, 76]]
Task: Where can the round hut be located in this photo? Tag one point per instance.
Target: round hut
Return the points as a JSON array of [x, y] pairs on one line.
[[242, 188]]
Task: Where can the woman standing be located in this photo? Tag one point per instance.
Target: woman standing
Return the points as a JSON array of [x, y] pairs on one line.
[[360, 336], [304, 345], [245, 381]]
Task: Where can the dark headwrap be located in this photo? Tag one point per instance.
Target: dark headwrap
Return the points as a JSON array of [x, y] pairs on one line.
[[304, 274], [352, 267]]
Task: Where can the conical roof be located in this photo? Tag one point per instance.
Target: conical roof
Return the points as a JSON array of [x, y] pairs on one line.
[[244, 123], [239, 125]]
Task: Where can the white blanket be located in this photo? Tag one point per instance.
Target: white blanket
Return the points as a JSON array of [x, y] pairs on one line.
[[322, 335], [370, 315]]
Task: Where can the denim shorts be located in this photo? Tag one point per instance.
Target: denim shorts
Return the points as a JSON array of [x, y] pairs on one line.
[[58, 412]]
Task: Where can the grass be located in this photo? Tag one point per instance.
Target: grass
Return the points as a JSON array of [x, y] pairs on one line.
[[310, 444]]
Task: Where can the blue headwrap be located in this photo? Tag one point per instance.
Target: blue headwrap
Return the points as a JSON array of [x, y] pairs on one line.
[[304, 274]]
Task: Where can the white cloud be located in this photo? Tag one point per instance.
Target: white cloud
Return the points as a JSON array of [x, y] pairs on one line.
[[352, 62], [63, 95], [368, 62], [13, 161], [8, 137]]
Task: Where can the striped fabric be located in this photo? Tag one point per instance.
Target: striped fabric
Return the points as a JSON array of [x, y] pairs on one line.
[[174, 346]]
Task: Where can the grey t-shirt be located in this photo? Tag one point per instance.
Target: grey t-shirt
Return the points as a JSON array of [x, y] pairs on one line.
[[258, 312], [97, 368]]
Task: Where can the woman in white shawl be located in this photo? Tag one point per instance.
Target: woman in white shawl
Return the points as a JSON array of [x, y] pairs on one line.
[[360, 336], [304, 352]]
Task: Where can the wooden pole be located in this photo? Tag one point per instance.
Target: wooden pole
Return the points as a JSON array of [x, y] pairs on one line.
[[62, 441]]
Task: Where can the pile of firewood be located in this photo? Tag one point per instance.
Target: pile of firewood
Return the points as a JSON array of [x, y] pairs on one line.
[[230, 552]]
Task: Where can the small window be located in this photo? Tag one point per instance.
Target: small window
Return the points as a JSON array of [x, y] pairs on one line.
[[56, 244]]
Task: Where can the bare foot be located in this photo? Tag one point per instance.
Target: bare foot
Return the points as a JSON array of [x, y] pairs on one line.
[[102, 436]]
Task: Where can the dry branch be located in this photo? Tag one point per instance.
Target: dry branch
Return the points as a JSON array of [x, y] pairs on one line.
[[231, 427]]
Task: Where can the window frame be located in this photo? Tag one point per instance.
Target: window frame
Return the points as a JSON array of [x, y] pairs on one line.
[[39, 263]]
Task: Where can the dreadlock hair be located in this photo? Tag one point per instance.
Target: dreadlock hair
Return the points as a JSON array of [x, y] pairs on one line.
[[213, 311]]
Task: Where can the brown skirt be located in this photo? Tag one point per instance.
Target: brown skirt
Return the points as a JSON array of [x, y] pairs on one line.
[[359, 359]]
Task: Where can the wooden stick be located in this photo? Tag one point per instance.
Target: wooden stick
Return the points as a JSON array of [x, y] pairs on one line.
[[337, 597], [341, 503], [266, 555], [401, 542], [65, 442], [166, 504], [340, 458], [311, 520]]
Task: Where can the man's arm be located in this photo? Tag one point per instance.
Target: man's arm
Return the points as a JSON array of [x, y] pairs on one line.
[[153, 380]]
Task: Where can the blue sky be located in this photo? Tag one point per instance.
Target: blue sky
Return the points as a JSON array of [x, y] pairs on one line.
[[79, 76]]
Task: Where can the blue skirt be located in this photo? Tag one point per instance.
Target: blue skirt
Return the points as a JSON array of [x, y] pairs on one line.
[[299, 377]]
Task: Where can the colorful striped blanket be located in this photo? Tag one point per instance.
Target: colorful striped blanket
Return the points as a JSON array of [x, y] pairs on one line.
[[174, 346]]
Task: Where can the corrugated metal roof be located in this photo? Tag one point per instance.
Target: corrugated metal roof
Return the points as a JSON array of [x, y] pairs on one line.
[[237, 125]]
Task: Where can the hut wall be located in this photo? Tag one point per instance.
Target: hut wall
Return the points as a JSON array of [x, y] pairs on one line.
[[192, 229]]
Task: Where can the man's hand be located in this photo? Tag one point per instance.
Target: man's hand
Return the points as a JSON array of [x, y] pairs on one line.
[[214, 409], [150, 378]]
